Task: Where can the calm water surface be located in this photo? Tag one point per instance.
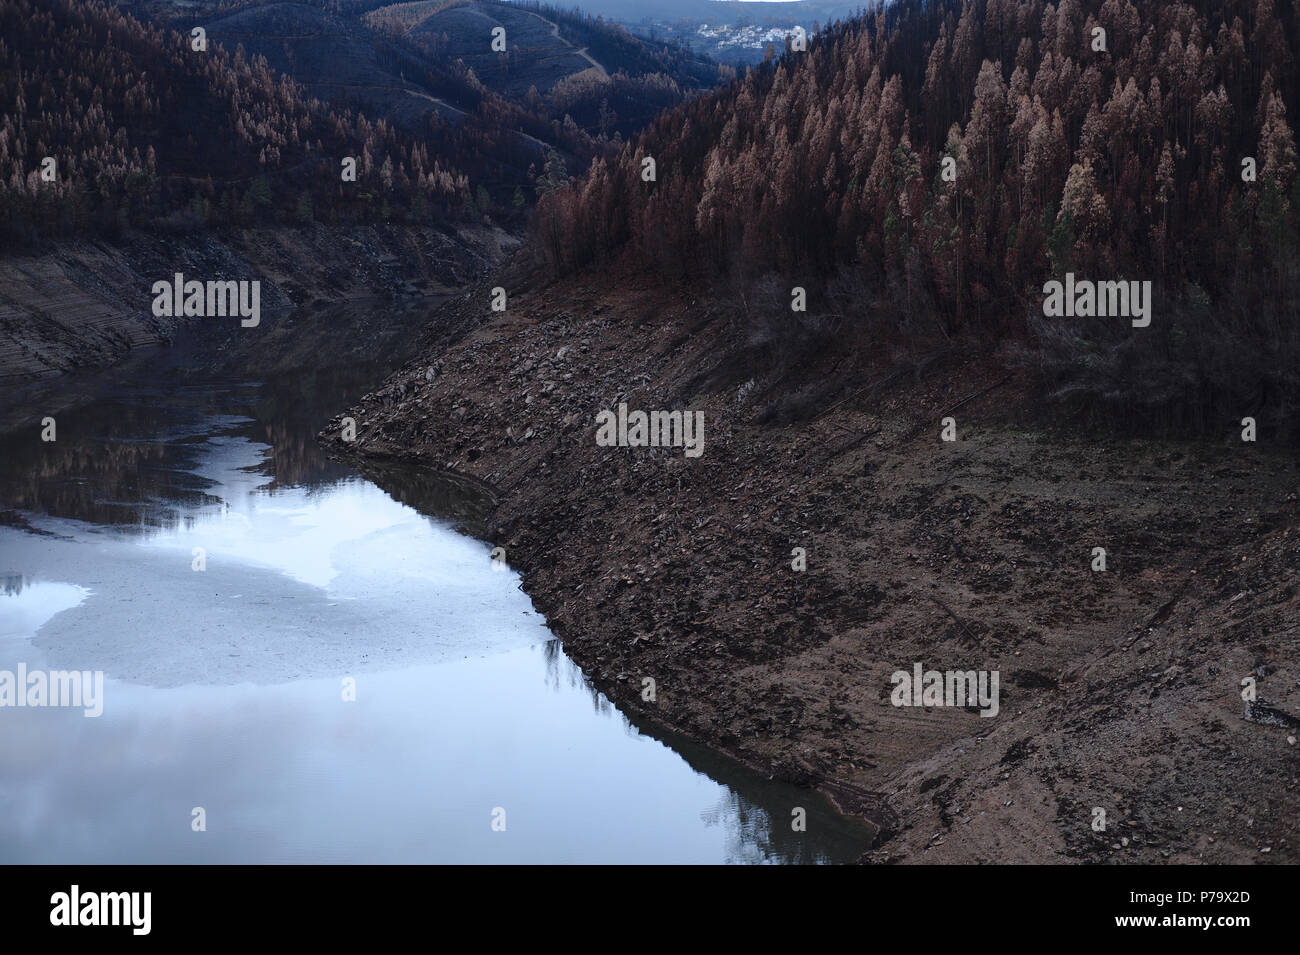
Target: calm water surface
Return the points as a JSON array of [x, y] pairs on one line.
[[225, 687]]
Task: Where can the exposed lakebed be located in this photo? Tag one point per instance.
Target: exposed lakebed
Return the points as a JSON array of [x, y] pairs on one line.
[[225, 688]]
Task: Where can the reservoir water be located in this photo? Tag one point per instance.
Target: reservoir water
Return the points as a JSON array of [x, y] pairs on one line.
[[299, 667]]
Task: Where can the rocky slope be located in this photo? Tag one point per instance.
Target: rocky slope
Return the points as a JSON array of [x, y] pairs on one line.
[[83, 304], [1120, 690]]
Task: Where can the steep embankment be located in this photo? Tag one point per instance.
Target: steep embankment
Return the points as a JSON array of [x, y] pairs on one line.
[[1119, 690], [83, 304]]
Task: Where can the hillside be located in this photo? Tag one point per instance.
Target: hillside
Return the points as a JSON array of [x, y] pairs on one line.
[[145, 132], [560, 64], [922, 172], [166, 159], [1119, 690], [85, 302], [536, 57], [117, 129], [335, 59], [410, 60], [295, 86], [824, 430], [429, 98]]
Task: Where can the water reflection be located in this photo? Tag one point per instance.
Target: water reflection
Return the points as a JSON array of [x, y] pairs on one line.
[[457, 499], [133, 460], [223, 686], [26, 604], [753, 813], [409, 773]]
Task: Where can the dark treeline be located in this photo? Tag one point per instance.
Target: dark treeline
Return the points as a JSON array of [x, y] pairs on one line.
[[146, 132], [825, 168]]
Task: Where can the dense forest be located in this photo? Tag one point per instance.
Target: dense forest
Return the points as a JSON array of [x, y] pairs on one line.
[[1112, 140], [144, 131]]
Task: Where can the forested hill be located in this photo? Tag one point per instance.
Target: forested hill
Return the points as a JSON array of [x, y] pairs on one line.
[[1113, 140], [147, 131], [560, 66], [143, 130]]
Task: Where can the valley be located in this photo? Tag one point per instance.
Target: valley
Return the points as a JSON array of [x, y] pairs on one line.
[[882, 452]]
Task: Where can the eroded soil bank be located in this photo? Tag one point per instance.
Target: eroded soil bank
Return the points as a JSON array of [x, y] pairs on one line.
[[81, 304], [1119, 690]]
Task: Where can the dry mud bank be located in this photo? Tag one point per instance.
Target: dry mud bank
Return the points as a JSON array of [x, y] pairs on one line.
[[87, 303], [1119, 690]]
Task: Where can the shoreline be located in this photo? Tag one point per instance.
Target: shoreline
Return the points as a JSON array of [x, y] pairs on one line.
[[649, 563]]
